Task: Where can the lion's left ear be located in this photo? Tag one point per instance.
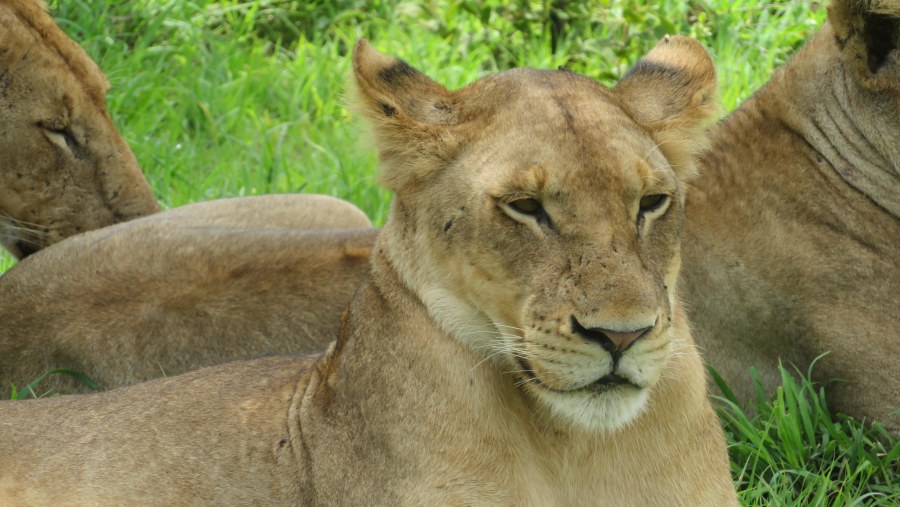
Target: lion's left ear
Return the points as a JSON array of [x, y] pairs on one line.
[[672, 92], [410, 115]]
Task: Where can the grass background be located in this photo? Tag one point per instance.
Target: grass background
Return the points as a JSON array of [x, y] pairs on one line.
[[235, 98]]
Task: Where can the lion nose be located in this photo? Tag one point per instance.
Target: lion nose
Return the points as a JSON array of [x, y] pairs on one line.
[[612, 341]]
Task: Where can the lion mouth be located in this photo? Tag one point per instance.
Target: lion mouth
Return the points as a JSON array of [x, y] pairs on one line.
[[606, 383], [609, 382], [612, 379]]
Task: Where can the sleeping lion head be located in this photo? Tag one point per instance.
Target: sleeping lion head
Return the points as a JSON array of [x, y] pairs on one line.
[[64, 168]]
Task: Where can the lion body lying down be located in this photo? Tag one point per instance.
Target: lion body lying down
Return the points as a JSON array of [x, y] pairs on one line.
[[792, 239], [64, 168], [197, 285], [271, 211], [518, 340]]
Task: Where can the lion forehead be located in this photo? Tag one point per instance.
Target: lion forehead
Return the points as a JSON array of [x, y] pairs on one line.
[[544, 102], [563, 122]]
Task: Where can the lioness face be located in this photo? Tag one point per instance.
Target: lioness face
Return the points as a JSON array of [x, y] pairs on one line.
[[547, 229], [562, 233], [65, 168]]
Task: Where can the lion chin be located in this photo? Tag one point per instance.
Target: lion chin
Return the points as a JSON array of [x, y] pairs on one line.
[[602, 406]]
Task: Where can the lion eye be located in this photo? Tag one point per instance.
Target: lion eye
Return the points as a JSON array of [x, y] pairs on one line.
[[527, 206], [67, 137], [653, 202], [60, 136]]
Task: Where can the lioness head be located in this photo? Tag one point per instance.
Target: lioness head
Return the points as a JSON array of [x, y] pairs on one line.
[[64, 168], [538, 216]]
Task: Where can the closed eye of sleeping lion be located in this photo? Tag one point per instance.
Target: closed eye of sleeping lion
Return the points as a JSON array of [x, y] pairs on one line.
[[518, 341], [792, 236], [64, 168], [192, 286]]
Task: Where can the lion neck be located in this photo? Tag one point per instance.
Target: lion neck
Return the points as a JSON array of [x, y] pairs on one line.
[[854, 129], [456, 424]]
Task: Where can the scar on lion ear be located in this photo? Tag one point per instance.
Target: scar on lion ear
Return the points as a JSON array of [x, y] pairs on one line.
[[672, 92], [868, 32], [409, 113]]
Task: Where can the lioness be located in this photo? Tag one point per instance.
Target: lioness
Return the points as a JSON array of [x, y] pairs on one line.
[[792, 242], [518, 341], [64, 168], [192, 286]]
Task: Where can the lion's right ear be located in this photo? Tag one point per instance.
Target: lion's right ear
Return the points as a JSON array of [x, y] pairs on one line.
[[868, 32], [672, 91], [409, 113]]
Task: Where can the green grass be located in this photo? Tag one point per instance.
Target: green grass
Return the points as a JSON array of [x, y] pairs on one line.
[[34, 390], [793, 451], [234, 98]]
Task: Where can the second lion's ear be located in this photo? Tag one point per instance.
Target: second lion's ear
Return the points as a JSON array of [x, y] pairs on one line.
[[409, 113], [672, 91], [868, 33]]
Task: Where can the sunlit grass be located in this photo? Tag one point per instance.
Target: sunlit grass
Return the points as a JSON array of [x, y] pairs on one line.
[[6, 260], [793, 451]]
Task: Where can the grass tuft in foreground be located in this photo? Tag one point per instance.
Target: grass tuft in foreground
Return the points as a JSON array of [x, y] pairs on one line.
[[793, 451]]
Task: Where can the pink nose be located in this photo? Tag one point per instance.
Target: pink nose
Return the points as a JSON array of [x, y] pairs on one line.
[[623, 340], [610, 340]]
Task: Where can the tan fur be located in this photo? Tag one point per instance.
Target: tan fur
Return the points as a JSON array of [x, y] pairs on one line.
[[64, 168], [198, 285], [272, 211], [792, 243], [460, 377]]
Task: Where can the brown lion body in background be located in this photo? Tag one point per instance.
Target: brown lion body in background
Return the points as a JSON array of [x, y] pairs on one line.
[[792, 239]]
